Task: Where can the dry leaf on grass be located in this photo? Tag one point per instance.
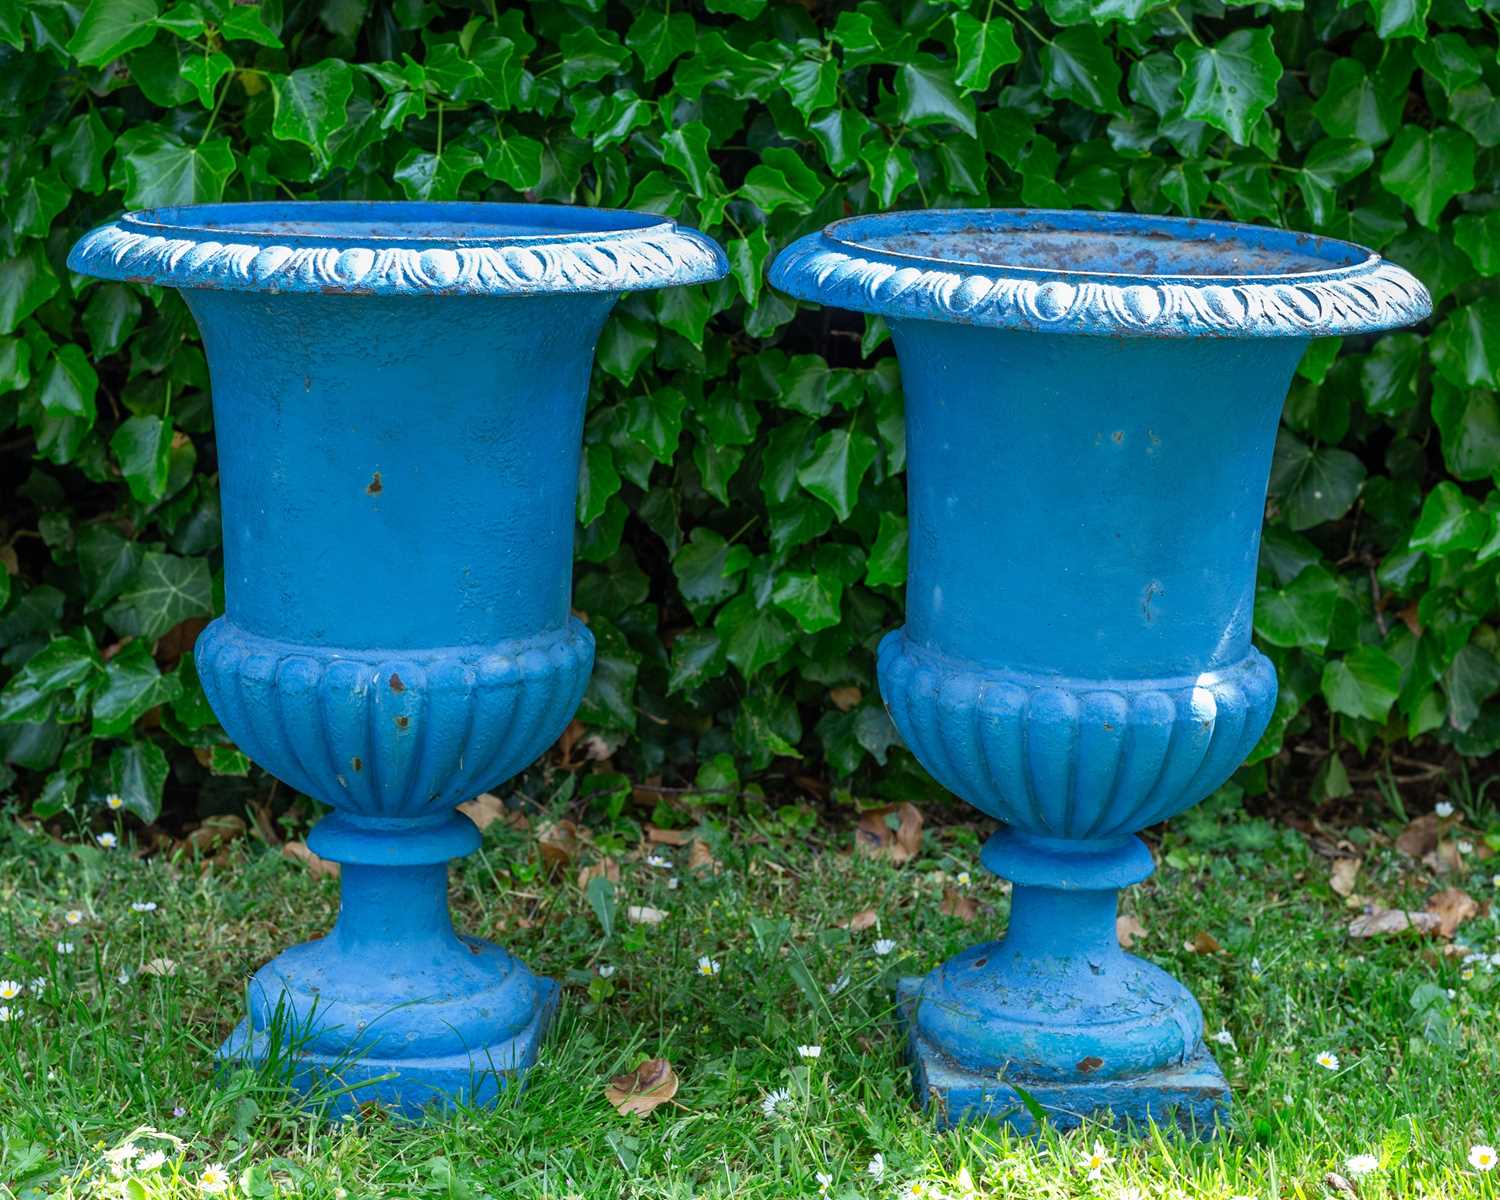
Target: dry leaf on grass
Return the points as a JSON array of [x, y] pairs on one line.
[[215, 832], [845, 698], [1341, 878], [1203, 943], [484, 810], [860, 921], [1128, 930], [1420, 838], [875, 837], [318, 868], [643, 1090], [160, 966], [1452, 908], [1444, 859], [668, 837], [558, 843], [1379, 922], [605, 868], [701, 858], [956, 904], [642, 914]]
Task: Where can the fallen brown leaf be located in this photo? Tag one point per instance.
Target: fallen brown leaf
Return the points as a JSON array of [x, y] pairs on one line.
[[160, 966], [1444, 858], [1203, 943], [1337, 1183], [1381, 921], [605, 868], [484, 810], [873, 835], [668, 837], [1452, 908], [1420, 838], [860, 921], [956, 904], [642, 914], [1128, 929], [845, 698], [558, 843], [643, 1090], [1341, 878], [214, 832], [701, 858], [318, 868]]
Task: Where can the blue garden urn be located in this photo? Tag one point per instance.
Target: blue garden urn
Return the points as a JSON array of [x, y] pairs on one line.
[[1091, 405], [398, 394]]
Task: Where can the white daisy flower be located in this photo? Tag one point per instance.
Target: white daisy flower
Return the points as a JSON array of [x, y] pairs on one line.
[[1361, 1164], [825, 1181], [114, 802], [108, 840], [1443, 809], [213, 1179], [606, 970], [963, 879], [1465, 847], [776, 1103], [1482, 1157], [1095, 1163], [839, 984], [122, 1154], [1224, 1037], [65, 947], [74, 916], [708, 967], [656, 860], [143, 906], [1328, 1060], [9, 989], [9, 1014], [123, 977], [876, 1169], [883, 947], [672, 884], [152, 1160], [810, 1051], [37, 986]]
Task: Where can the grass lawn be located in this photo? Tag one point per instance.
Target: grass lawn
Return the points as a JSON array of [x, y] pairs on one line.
[[102, 1051]]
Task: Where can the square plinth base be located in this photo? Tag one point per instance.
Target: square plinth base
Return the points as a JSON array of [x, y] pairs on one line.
[[412, 1086], [1193, 1096]]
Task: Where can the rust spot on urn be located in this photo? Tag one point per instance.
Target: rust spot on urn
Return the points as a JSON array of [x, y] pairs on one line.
[[1087, 1066], [357, 763], [396, 684], [375, 487], [402, 722]]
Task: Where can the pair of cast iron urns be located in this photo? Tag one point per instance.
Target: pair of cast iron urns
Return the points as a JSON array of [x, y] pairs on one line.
[[1091, 405]]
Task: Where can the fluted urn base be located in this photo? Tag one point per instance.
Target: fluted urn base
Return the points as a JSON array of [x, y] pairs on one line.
[[392, 1007], [1192, 1095]]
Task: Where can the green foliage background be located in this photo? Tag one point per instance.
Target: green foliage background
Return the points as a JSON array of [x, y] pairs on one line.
[[742, 537]]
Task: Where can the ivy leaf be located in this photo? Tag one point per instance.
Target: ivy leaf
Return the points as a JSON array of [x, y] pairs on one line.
[[161, 170], [68, 384], [1388, 373], [1469, 421], [107, 561], [1450, 522], [609, 702], [892, 170], [1313, 485], [598, 480], [659, 38], [697, 657], [1471, 679], [1079, 65], [811, 599], [1357, 105], [138, 775], [625, 345], [588, 55], [840, 134], [36, 202], [685, 150], [812, 84], [1451, 61], [1364, 683], [840, 460], [204, 71], [887, 562], [311, 104], [1300, 614], [424, 175], [753, 638], [244, 23], [1478, 236], [110, 28], [1328, 165], [1401, 18], [26, 283], [142, 446], [65, 664], [109, 317], [78, 156], [706, 571], [655, 421], [1231, 83], [166, 591], [132, 685], [927, 95], [982, 48], [1466, 346], [747, 262], [515, 160], [1426, 168]]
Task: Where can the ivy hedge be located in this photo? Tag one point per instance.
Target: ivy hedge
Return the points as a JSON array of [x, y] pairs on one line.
[[741, 538]]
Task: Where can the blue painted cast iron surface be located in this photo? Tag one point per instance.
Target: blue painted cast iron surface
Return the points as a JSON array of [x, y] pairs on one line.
[[1091, 406], [398, 395]]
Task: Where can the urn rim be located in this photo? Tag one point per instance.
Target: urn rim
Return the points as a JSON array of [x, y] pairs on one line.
[[1114, 273], [399, 248]]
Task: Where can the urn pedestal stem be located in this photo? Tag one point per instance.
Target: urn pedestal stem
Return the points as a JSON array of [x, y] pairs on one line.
[[1091, 405], [399, 394]]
